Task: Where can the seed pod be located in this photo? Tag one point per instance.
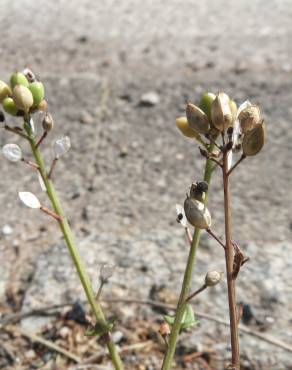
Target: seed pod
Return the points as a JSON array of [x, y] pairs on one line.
[[38, 92], [221, 112], [22, 97], [48, 122], [183, 125], [212, 278], [18, 78], [197, 119], [206, 103], [43, 105], [4, 91], [233, 108], [254, 140], [9, 106], [197, 213], [249, 118]]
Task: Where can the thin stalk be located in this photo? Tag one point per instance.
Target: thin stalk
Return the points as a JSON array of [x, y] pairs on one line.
[[167, 361], [67, 233], [229, 258]]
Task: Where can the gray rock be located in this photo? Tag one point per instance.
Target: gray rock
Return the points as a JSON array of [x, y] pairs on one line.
[[149, 99]]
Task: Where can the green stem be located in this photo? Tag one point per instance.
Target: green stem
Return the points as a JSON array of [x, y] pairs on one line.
[[187, 279], [66, 230]]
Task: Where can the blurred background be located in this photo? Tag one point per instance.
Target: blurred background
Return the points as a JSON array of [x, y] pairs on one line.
[[117, 74]]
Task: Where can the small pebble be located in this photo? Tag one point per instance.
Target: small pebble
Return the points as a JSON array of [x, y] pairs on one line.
[[149, 99], [7, 230], [117, 336]]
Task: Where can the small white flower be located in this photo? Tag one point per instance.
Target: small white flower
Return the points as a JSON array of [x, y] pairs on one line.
[[12, 152], [181, 217], [29, 199], [106, 271], [62, 146], [41, 181]]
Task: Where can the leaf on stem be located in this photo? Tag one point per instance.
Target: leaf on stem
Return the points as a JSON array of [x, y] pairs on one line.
[[12, 152], [29, 199], [188, 319]]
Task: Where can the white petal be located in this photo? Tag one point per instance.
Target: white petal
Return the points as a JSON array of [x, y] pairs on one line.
[[181, 212], [236, 132], [242, 106], [29, 199], [41, 181], [12, 152], [229, 159], [62, 146]]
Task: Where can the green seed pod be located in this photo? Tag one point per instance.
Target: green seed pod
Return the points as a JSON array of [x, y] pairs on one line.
[[254, 140], [38, 92], [221, 112], [183, 125], [197, 213], [233, 108], [48, 122], [206, 103], [9, 106], [197, 119], [22, 97], [4, 91], [249, 118], [18, 78]]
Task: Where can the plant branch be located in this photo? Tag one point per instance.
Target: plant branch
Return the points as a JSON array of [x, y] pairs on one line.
[[236, 164], [66, 230], [167, 361], [190, 297], [209, 231], [15, 130], [229, 258]]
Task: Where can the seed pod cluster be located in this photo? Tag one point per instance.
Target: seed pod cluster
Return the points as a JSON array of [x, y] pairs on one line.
[[217, 114], [23, 95]]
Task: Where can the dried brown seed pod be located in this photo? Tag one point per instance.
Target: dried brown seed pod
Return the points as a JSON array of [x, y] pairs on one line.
[[197, 213], [213, 277], [164, 329], [249, 118], [254, 140], [221, 112], [198, 189], [48, 122], [197, 119]]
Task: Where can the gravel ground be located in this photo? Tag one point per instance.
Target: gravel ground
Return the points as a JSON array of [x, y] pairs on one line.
[[129, 165]]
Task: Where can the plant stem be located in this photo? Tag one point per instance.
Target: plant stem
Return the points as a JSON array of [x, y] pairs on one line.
[[167, 361], [66, 230], [229, 257]]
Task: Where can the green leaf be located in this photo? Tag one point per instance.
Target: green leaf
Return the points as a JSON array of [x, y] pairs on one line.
[[188, 319], [101, 328]]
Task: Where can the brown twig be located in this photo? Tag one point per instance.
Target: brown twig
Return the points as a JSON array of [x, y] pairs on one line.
[[191, 296], [53, 165], [16, 130], [30, 163], [46, 343], [236, 164], [51, 213], [42, 138], [209, 231], [229, 258]]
